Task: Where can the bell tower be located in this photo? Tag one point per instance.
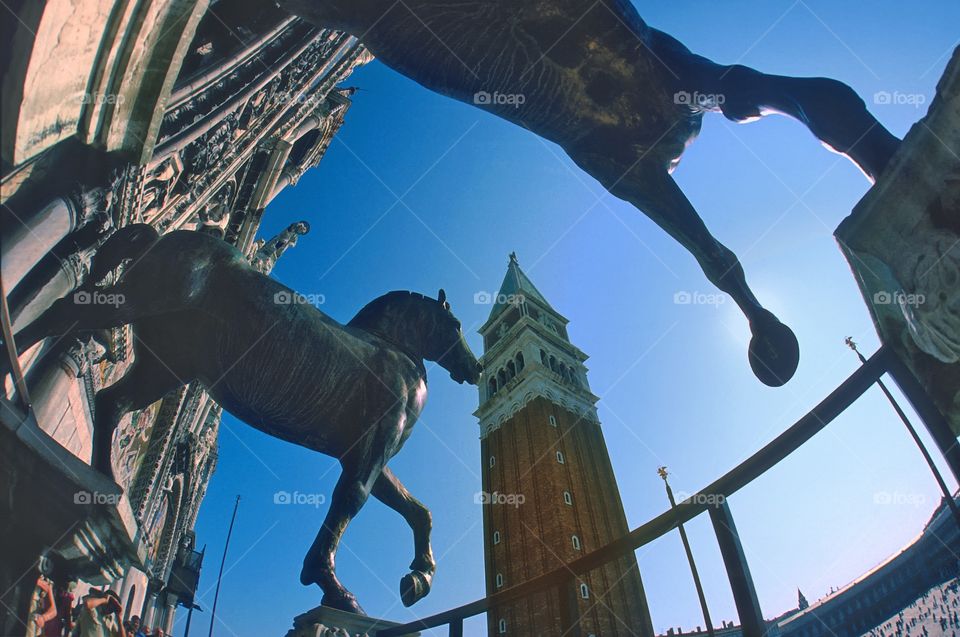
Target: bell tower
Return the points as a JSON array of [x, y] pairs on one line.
[[549, 493]]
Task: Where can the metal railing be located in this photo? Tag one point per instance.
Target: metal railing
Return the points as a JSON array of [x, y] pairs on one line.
[[563, 579]]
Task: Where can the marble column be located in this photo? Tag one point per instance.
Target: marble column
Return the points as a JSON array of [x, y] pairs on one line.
[[149, 611], [169, 615], [28, 238]]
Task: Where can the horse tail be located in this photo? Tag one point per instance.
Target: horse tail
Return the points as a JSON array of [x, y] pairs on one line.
[[126, 243]]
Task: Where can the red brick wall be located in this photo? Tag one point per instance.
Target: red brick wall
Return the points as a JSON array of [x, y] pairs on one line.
[[536, 535]]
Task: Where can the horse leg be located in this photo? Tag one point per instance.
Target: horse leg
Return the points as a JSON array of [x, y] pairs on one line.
[[832, 111], [319, 565], [774, 352], [146, 381], [73, 312], [415, 585]]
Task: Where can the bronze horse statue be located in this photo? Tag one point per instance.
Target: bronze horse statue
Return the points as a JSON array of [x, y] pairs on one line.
[[621, 98], [200, 311]]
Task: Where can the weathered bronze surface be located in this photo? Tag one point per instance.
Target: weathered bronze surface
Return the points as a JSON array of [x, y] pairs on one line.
[[200, 311], [621, 98]]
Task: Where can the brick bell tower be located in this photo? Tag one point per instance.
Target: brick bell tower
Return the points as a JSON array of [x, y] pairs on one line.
[[550, 493]]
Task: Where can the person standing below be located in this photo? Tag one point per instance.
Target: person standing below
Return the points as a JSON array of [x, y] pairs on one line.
[[135, 626], [100, 616], [43, 607]]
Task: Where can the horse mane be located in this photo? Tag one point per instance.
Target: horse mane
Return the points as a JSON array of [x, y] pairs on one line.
[[372, 311]]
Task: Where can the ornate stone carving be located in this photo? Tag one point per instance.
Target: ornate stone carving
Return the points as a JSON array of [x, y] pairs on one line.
[[903, 243]]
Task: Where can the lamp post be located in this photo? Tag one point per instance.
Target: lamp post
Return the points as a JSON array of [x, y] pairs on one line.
[[216, 595], [662, 471], [913, 433]]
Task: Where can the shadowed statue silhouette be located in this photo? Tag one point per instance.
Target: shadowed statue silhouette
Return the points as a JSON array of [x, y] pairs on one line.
[[200, 311], [621, 98]]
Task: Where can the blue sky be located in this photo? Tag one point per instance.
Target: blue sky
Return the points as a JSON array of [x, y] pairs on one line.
[[420, 192]]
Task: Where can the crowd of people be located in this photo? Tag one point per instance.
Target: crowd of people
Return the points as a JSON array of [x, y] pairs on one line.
[[935, 614], [98, 614]]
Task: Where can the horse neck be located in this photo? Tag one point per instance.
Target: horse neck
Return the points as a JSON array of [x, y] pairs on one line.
[[398, 322]]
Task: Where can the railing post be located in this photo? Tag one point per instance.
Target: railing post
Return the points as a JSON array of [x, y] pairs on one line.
[[934, 421], [738, 572], [569, 609], [456, 628]]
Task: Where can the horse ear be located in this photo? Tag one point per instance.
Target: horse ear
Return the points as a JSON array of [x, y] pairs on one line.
[[442, 297]]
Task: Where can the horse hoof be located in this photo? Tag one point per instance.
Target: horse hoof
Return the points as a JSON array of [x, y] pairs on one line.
[[774, 351], [414, 586], [344, 601]]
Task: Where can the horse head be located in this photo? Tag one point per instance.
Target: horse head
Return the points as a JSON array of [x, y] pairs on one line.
[[445, 344]]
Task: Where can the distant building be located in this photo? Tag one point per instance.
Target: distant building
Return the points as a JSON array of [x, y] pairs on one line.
[[549, 492], [184, 115], [892, 587]]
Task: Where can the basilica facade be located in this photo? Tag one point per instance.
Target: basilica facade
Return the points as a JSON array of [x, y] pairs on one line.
[[182, 114]]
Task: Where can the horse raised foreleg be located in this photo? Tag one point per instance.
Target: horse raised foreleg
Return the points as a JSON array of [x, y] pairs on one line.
[[774, 351], [319, 566], [147, 381], [415, 585], [83, 309]]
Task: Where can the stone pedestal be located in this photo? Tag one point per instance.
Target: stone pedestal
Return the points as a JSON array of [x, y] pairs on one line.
[[903, 243], [329, 622]]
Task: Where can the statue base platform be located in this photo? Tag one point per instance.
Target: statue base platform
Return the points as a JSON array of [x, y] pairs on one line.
[[903, 244], [323, 621]]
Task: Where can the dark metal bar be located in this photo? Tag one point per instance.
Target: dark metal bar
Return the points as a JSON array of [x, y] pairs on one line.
[[569, 609], [934, 421], [456, 628], [7, 329], [738, 571], [226, 545], [916, 438], [756, 465], [693, 565]]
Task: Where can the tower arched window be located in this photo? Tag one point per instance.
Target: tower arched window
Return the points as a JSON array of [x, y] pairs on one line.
[[552, 420], [493, 461], [502, 626], [543, 358], [502, 377], [511, 370], [496, 537], [553, 364], [492, 386], [567, 498], [520, 362], [584, 591], [499, 580], [560, 457], [576, 542]]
